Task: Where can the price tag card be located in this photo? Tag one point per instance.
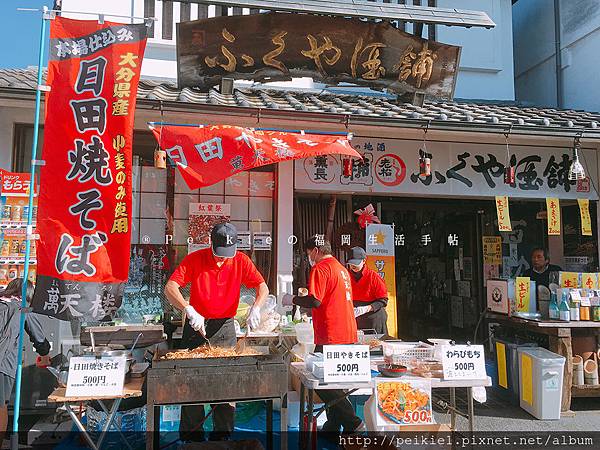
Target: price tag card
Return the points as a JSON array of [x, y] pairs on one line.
[[344, 363], [96, 377], [406, 402], [463, 362]]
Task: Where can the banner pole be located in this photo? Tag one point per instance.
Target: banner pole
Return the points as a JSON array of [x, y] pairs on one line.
[[14, 440]]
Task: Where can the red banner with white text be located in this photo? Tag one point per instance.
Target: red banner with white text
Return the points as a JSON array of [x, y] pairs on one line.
[[208, 154], [84, 213]]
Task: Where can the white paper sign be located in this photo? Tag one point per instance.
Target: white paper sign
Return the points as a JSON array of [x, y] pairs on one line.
[[96, 377], [463, 362], [244, 240], [262, 240], [343, 363]]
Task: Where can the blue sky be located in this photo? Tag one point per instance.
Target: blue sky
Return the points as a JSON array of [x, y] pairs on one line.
[[20, 33]]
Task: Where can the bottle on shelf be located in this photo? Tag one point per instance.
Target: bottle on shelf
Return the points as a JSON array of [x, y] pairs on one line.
[[574, 307], [5, 249], [564, 311], [553, 308]]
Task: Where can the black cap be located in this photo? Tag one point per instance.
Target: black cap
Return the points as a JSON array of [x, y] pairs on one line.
[[357, 256], [223, 238]]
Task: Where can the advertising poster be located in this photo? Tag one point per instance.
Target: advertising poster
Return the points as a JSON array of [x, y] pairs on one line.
[[202, 218], [405, 402]]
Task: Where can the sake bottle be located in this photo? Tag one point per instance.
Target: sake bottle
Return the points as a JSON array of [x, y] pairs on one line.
[[564, 311], [574, 307], [553, 310]]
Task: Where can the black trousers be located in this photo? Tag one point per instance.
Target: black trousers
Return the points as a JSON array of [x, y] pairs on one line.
[[341, 414], [220, 333], [373, 321]]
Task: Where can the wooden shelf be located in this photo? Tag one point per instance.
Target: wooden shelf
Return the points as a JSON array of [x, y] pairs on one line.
[[585, 390]]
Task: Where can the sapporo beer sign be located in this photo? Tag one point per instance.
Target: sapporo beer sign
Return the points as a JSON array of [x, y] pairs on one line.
[[84, 218], [279, 46]]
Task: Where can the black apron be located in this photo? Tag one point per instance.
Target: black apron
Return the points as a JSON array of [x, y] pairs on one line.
[[375, 320]]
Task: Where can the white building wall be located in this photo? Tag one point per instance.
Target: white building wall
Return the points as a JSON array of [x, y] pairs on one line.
[[486, 69], [535, 53]]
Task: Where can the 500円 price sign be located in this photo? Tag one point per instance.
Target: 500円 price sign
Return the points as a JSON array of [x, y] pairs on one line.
[[463, 362], [96, 377], [343, 363]]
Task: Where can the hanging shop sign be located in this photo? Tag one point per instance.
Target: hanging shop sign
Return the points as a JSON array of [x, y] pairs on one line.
[[586, 220], [381, 258], [391, 166], [208, 154], [279, 46], [553, 216], [503, 213], [84, 219], [522, 293]]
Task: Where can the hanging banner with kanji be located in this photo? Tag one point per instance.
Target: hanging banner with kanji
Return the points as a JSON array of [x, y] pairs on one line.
[[381, 258], [84, 218], [553, 210], [522, 293], [503, 213], [586, 220], [208, 154]]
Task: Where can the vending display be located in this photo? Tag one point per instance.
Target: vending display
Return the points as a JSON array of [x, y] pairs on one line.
[[14, 208]]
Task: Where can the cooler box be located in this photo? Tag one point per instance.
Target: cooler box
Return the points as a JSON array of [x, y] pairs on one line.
[[507, 363], [540, 382]]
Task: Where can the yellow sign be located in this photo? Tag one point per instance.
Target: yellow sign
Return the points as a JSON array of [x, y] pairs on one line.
[[501, 357], [586, 221], [492, 249], [526, 379], [503, 213], [589, 280], [380, 258], [553, 209], [569, 280], [522, 293]]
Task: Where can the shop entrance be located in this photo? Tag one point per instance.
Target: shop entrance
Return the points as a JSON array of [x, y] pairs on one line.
[[439, 288]]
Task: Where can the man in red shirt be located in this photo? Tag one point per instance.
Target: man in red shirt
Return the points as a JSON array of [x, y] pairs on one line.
[[369, 293], [216, 275], [330, 297]]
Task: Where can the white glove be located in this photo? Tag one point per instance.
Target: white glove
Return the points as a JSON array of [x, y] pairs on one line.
[[253, 319], [360, 310], [197, 322], [287, 300]]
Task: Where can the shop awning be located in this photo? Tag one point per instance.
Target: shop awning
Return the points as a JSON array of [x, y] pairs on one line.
[[207, 154], [368, 10]]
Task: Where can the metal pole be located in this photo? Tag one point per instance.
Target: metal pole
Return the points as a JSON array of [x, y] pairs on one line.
[[14, 441]]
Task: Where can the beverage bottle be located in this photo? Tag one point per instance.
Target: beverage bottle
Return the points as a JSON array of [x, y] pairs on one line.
[[553, 308], [574, 307], [563, 308]]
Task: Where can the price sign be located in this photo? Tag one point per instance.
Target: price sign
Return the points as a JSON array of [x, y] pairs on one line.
[[343, 363], [406, 402], [463, 362], [96, 377]]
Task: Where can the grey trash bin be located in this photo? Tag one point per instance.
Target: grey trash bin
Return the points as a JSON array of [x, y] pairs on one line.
[[511, 365], [541, 382]]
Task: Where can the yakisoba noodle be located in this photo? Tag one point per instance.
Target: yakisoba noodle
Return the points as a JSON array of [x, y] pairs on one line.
[[205, 351], [396, 397]]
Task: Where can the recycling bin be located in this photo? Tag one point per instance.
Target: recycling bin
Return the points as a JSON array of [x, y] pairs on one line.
[[507, 363], [541, 382]]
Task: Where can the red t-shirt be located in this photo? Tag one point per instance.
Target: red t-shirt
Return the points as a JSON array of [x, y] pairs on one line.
[[215, 291], [370, 287], [333, 320]]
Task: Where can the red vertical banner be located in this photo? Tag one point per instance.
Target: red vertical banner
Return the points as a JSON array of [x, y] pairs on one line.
[[84, 213]]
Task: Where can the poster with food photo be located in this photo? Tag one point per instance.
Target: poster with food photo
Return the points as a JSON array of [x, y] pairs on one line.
[[406, 401], [202, 218]]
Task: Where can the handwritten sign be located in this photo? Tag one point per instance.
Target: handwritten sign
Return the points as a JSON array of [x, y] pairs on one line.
[[589, 280], [344, 363], [463, 362], [522, 293], [586, 221], [553, 207], [96, 377], [569, 280], [503, 213], [492, 249]]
